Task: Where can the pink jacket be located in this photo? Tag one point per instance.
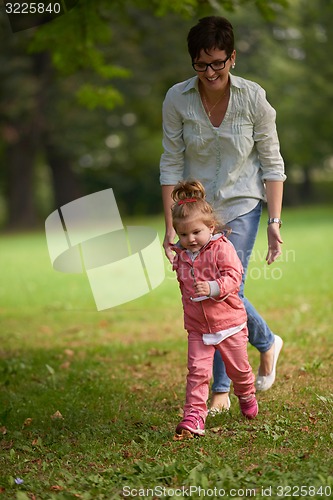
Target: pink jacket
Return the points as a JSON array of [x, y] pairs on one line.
[[216, 261]]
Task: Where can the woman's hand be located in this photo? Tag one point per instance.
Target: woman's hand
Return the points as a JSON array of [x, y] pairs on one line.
[[168, 241], [274, 243]]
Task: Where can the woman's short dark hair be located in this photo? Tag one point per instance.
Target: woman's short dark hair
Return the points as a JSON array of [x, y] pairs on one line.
[[212, 32]]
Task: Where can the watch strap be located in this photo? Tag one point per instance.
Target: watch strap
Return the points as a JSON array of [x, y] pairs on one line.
[[275, 220]]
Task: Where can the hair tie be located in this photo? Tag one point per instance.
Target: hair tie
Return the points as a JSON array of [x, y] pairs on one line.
[[187, 200]]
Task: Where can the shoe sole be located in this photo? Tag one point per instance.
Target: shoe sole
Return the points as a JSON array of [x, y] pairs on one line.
[[185, 434]]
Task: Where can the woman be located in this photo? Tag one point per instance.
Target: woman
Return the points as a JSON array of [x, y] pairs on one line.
[[220, 129]]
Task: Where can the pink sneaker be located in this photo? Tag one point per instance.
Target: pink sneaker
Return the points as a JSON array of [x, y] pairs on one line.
[[249, 406], [191, 425]]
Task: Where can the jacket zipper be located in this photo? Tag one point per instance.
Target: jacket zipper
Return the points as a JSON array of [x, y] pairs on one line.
[[201, 304]]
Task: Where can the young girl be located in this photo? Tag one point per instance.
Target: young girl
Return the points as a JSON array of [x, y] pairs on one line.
[[209, 274]]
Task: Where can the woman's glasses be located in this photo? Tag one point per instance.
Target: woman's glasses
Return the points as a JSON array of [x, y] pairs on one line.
[[215, 65]]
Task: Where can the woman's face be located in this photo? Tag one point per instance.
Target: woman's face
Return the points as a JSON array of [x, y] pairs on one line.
[[212, 79]]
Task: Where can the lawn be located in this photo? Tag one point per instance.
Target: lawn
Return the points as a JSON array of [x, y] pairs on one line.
[[89, 400]]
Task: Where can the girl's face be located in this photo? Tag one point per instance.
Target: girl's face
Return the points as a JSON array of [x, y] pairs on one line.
[[215, 80], [193, 234]]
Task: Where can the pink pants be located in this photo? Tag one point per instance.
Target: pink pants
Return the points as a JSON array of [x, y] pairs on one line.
[[200, 365]]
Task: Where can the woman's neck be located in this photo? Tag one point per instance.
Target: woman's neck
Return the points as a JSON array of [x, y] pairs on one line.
[[214, 95]]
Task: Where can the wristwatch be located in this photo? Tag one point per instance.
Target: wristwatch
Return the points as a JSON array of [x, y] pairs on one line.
[[273, 220]]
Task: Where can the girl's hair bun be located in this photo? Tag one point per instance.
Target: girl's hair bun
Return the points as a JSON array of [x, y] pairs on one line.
[[187, 190]]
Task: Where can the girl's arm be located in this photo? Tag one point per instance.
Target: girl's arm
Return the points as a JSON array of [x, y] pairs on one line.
[[230, 274]]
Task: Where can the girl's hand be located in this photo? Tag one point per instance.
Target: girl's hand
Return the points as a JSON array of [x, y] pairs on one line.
[[168, 241], [274, 243], [202, 288]]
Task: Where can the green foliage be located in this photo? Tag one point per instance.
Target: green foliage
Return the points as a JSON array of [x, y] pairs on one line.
[[305, 38], [90, 85], [269, 9], [74, 39], [92, 96], [284, 55], [76, 42], [77, 39]]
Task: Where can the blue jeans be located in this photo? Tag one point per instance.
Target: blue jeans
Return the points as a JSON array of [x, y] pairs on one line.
[[243, 235]]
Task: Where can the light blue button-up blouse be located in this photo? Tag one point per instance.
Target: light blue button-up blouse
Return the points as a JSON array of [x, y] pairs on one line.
[[234, 160]]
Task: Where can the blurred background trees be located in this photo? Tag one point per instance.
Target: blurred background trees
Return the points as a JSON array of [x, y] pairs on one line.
[[81, 97]]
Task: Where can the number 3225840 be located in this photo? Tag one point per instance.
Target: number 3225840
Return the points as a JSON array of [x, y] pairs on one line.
[[32, 8]]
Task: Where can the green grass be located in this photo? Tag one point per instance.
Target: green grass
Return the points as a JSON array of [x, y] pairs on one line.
[[117, 379]]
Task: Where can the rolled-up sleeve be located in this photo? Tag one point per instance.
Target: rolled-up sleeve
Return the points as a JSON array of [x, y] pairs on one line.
[[172, 158], [266, 140]]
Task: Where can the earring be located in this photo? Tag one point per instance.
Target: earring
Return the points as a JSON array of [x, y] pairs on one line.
[[233, 65]]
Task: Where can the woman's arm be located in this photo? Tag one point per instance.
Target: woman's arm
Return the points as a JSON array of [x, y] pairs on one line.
[[172, 162], [272, 166], [274, 192], [170, 233]]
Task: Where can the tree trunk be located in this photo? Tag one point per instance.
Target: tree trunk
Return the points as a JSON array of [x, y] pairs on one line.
[[306, 187], [20, 159], [66, 187], [29, 134], [65, 184]]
